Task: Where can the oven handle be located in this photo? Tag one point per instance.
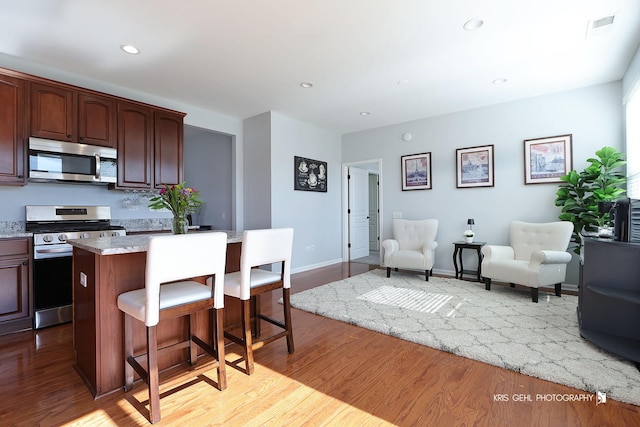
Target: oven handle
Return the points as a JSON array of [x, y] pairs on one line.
[[57, 252]]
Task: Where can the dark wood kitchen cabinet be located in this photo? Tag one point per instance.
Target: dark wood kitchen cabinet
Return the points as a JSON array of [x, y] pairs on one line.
[[168, 149], [12, 130], [64, 114], [16, 308], [150, 147]]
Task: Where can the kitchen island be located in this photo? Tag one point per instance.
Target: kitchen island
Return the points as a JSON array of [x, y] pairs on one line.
[[103, 268]]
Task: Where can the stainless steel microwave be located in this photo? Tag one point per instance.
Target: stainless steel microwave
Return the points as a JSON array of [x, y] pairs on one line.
[[54, 161]]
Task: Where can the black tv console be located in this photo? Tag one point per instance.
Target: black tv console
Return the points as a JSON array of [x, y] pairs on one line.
[[609, 296]]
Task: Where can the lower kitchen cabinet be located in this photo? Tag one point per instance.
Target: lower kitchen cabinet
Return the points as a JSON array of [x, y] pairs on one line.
[[16, 307]]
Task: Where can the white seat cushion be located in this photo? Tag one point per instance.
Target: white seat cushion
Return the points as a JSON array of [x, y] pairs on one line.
[[258, 278], [171, 295]]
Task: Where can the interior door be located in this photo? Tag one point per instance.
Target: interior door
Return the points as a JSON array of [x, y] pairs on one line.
[[358, 213], [374, 241]]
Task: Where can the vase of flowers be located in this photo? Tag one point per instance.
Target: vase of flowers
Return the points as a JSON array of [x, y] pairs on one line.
[[180, 200], [468, 236]]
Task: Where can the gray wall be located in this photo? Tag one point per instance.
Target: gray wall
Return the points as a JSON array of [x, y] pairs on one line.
[[271, 142], [208, 168], [314, 216], [593, 115], [257, 172]]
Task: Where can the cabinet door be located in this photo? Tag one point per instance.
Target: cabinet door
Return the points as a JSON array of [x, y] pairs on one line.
[[135, 135], [97, 120], [12, 153], [52, 112], [14, 289], [168, 149]]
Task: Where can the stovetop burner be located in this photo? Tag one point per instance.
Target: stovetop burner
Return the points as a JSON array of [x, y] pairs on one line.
[[60, 222]]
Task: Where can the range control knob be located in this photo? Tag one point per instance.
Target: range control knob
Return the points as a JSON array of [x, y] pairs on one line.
[[84, 235], [47, 238], [62, 237], [115, 233], [104, 234]]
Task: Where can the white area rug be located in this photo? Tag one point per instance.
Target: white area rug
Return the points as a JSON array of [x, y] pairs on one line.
[[501, 327]]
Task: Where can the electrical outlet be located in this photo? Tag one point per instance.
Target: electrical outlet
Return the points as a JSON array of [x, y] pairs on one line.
[[83, 279], [397, 215], [310, 248]]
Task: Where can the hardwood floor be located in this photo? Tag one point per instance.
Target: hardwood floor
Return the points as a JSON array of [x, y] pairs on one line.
[[339, 375]]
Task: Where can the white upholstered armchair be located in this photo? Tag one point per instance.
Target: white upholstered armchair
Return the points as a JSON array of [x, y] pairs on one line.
[[412, 247], [537, 256]]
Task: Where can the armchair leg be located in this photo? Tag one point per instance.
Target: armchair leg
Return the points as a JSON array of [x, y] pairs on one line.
[[558, 289], [534, 294], [388, 271], [487, 283], [426, 274]]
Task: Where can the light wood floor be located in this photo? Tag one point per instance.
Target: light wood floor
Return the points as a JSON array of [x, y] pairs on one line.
[[339, 375]]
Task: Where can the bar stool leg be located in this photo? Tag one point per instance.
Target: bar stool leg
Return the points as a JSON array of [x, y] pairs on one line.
[[248, 343], [128, 351], [152, 380], [218, 342]]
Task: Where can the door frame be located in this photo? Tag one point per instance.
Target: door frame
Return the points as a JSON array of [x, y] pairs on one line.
[[345, 204]]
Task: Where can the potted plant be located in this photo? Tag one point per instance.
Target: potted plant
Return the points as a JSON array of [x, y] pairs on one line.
[[581, 192], [468, 236], [180, 200]]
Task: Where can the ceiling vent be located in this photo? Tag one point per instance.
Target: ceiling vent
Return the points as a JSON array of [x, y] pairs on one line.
[[600, 26]]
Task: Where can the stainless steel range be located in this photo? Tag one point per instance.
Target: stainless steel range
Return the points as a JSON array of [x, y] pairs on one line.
[[52, 226]]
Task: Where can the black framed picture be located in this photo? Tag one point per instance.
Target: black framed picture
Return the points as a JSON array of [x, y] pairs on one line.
[[547, 159], [474, 167], [416, 171], [309, 174]]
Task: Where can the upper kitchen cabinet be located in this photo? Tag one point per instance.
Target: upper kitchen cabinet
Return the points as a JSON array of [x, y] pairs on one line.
[[97, 123], [150, 147], [64, 114], [12, 130], [168, 149], [135, 137]]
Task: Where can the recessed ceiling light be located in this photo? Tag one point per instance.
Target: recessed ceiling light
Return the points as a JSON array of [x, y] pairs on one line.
[[402, 82], [364, 113], [130, 49], [473, 24], [499, 82], [306, 85]]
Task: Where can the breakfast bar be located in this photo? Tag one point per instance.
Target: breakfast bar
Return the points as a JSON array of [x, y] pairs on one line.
[[103, 268]]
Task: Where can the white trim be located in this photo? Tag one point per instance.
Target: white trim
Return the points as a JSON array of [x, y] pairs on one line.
[[345, 204], [314, 266]]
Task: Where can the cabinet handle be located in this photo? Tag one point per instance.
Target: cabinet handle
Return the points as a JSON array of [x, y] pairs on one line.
[[69, 136], [20, 176], [25, 263]]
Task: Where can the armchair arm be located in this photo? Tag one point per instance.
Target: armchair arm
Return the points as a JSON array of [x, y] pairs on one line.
[[550, 257], [429, 247], [390, 246], [497, 252]]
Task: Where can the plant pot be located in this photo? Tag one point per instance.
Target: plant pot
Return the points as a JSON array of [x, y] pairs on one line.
[[468, 239]]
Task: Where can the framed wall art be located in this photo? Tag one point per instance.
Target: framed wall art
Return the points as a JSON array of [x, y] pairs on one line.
[[416, 171], [474, 167], [309, 174], [547, 159]]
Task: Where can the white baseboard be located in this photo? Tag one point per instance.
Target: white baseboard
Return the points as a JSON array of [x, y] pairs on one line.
[[314, 266]]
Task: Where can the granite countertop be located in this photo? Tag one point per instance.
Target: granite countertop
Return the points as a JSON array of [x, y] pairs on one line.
[[10, 229], [129, 244]]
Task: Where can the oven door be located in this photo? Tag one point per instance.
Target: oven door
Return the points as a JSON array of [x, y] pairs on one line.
[[52, 284]]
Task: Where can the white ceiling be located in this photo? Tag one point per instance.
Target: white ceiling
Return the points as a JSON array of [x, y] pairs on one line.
[[400, 60]]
